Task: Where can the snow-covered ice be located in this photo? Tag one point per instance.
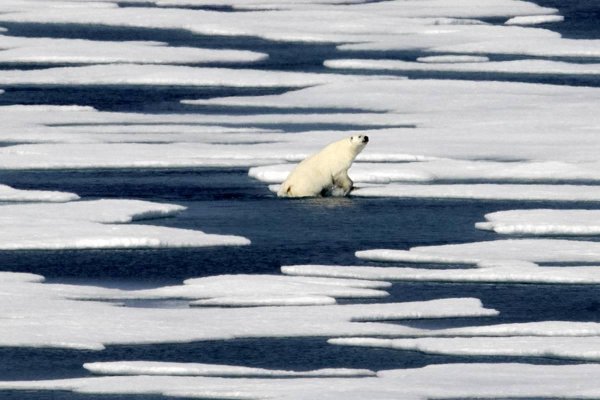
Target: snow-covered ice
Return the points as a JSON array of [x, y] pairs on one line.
[[9, 194], [175, 75], [484, 137], [510, 261], [16, 50], [534, 19], [507, 272], [474, 380], [257, 290], [485, 192], [533, 250], [98, 224], [452, 170], [460, 119], [279, 21], [452, 59], [577, 348], [31, 307], [511, 67], [543, 222], [196, 369]]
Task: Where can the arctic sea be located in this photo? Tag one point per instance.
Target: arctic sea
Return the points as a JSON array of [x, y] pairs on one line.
[[307, 231]]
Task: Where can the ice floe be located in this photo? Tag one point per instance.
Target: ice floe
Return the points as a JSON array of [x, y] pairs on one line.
[[511, 67], [196, 369], [16, 50], [434, 381], [532, 250], [312, 21], [552, 129], [32, 307], [451, 170], [258, 290], [543, 222], [509, 261], [97, 224], [516, 272], [577, 348], [452, 59], [485, 192], [176, 75], [534, 19], [459, 119], [9, 194]]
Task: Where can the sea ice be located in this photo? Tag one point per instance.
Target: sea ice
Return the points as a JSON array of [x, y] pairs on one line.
[[32, 307], [502, 121], [195, 369], [485, 192], [532, 250], [97, 224], [255, 290], [508, 272], [451, 170], [476, 380], [577, 348], [16, 50], [174, 75], [543, 222], [511, 261], [9, 194], [287, 21], [534, 19], [511, 67], [452, 59]]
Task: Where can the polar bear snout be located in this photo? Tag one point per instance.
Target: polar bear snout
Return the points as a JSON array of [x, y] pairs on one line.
[[365, 139]]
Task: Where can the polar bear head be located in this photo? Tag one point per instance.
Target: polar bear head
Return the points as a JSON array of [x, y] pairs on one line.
[[358, 142]]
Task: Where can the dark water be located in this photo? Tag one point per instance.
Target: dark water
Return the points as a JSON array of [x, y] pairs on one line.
[[326, 231]]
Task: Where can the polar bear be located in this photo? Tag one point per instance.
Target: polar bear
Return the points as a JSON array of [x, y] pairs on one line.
[[325, 171]]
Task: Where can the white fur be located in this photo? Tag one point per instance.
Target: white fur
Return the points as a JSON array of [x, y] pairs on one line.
[[326, 171]]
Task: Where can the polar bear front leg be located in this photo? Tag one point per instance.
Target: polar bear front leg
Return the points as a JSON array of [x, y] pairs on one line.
[[343, 181]]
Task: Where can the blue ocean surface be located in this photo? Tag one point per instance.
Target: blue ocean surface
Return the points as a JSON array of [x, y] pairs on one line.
[[283, 232]]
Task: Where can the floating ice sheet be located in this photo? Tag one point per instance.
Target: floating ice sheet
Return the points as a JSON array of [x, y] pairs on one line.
[[9, 194], [302, 21], [452, 59], [510, 67], [485, 192], [17, 50], [175, 75], [92, 224], [531, 250], [434, 381], [32, 307], [460, 119], [261, 301], [517, 272], [451, 170], [510, 261], [195, 369], [256, 290], [577, 348], [534, 19], [543, 222]]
